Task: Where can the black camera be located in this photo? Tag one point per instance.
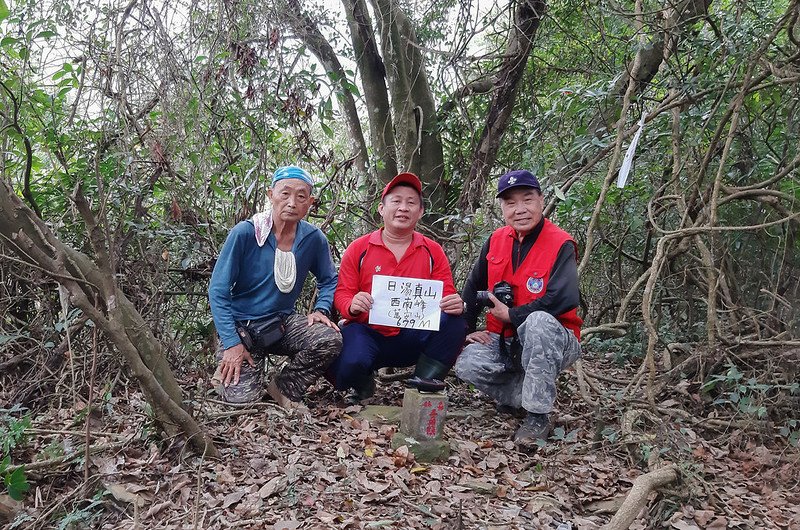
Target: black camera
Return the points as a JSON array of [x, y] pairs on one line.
[[501, 290]]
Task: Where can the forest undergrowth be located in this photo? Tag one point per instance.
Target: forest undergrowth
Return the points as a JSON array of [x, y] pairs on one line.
[[101, 465]]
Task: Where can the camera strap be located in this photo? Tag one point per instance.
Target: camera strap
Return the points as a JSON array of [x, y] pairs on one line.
[[516, 347]]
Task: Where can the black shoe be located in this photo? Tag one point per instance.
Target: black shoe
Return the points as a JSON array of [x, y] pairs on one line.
[[424, 384], [534, 427], [428, 375], [364, 392]]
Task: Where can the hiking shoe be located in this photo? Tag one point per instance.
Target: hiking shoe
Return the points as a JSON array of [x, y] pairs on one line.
[[283, 401], [534, 427], [425, 384], [357, 395]]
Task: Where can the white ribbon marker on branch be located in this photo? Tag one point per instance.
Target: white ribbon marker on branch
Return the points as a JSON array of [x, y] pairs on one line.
[[622, 178]]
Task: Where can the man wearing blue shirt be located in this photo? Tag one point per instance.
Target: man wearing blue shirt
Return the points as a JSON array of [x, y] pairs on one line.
[[259, 275]]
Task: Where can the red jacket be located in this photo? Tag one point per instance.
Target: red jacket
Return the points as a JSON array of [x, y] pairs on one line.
[[529, 282], [367, 256]]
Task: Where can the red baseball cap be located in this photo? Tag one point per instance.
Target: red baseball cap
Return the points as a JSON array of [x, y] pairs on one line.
[[408, 179]]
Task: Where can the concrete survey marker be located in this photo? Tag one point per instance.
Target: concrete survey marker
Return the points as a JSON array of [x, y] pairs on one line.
[[421, 425], [421, 420], [423, 414]]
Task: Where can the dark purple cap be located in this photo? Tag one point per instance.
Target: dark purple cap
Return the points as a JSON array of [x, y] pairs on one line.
[[518, 178]]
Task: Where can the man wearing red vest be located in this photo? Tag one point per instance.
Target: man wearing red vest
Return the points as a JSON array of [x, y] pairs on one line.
[[531, 339], [396, 249]]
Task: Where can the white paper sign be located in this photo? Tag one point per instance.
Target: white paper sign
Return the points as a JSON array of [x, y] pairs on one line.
[[406, 302]]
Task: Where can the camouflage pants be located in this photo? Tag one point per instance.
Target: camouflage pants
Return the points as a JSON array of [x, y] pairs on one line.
[[547, 349], [310, 350]]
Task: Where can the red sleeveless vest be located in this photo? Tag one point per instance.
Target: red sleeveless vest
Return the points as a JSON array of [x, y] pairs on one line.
[[529, 282]]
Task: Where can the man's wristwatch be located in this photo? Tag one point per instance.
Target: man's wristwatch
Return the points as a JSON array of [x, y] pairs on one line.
[[324, 312]]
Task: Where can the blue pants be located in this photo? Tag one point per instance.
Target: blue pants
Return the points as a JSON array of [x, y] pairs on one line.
[[364, 350]]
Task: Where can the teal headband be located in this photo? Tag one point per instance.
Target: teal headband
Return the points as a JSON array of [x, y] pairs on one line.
[[292, 172]]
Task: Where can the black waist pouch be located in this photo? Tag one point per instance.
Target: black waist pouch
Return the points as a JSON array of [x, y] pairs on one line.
[[261, 334]]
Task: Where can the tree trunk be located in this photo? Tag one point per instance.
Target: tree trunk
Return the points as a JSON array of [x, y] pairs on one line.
[[373, 72], [96, 294], [527, 18], [414, 109], [651, 58], [307, 31]]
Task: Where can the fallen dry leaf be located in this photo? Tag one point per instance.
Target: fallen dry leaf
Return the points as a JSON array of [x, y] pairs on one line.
[[542, 503], [721, 523], [683, 524], [232, 498], [606, 505], [119, 492], [158, 508], [702, 517], [274, 485], [486, 488], [8, 508]]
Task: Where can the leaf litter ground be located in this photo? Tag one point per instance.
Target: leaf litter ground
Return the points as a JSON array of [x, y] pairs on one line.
[[337, 469]]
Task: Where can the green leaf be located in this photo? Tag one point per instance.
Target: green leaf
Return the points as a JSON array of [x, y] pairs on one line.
[[350, 86], [219, 191], [17, 484], [3, 10], [794, 439], [571, 436], [327, 130]]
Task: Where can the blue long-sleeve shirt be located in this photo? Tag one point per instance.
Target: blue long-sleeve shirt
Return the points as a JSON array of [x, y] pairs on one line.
[[243, 286]]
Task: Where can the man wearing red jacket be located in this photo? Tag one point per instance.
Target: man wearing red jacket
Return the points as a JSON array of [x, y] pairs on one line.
[[397, 249], [533, 333]]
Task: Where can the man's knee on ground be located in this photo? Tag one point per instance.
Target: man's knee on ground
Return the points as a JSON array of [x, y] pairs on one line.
[[249, 389]]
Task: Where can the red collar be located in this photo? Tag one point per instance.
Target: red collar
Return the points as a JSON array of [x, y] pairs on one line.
[[375, 238]]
